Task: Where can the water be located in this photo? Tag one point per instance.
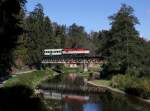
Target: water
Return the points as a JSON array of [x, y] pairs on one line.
[[109, 101], [84, 107], [105, 101]]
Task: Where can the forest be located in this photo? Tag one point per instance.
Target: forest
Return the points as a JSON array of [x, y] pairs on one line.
[[23, 36]]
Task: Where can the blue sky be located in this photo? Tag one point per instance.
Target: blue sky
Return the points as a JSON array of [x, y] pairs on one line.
[[93, 14]]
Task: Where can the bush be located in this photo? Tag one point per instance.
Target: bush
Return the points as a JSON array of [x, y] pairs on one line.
[[122, 81], [20, 98], [132, 85], [141, 88]]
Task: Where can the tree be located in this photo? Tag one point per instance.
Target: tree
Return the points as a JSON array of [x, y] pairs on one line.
[[59, 36], [122, 49], [100, 40], [39, 36], [77, 36], [20, 52], [9, 31]]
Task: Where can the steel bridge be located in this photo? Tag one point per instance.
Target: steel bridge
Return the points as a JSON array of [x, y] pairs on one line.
[[72, 59], [84, 60]]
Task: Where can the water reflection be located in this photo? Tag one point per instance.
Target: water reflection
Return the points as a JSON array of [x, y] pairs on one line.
[[92, 107], [82, 107], [104, 102], [74, 106]]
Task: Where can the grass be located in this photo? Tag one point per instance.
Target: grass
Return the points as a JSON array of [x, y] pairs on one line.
[[29, 79], [102, 82], [72, 70]]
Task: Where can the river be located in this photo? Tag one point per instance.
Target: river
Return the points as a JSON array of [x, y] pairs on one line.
[[108, 101], [105, 101]]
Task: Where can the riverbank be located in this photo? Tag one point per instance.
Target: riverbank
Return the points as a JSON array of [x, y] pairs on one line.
[[106, 86], [117, 91], [31, 79]]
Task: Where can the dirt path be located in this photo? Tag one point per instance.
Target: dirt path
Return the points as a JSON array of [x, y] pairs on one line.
[[23, 72]]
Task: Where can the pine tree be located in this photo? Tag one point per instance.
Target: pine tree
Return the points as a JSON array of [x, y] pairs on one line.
[[122, 49], [9, 31]]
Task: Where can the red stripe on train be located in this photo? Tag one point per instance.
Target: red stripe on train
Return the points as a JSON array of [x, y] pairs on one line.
[[74, 49]]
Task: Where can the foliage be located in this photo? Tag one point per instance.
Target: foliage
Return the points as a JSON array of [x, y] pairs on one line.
[[121, 81], [40, 31], [77, 36], [9, 31], [20, 98], [122, 46], [132, 85]]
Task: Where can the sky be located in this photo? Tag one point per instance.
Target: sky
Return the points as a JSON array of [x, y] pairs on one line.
[[93, 14]]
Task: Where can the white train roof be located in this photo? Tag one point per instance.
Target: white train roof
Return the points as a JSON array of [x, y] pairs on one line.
[[52, 49]]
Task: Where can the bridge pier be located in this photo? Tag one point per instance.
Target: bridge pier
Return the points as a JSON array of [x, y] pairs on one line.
[[85, 66]]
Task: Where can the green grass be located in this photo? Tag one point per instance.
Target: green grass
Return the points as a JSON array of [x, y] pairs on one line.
[[102, 82], [29, 79], [72, 70]]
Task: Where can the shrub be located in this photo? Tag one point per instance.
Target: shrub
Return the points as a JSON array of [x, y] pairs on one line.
[[122, 81], [132, 85], [20, 98]]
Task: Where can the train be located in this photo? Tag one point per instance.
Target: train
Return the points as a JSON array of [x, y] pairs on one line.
[[66, 51]]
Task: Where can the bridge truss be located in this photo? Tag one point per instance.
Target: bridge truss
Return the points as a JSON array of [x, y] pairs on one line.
[[82, 59]]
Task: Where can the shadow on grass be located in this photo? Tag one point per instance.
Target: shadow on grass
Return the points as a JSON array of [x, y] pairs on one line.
[[20, 98]]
